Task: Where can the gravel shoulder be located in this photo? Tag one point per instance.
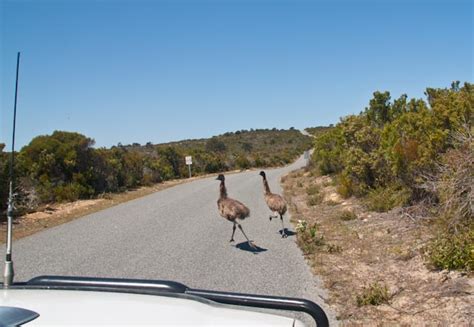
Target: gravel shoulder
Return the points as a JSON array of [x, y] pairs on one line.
[[353, 252]]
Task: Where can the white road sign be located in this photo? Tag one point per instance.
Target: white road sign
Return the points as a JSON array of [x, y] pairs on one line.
[[189, 160]]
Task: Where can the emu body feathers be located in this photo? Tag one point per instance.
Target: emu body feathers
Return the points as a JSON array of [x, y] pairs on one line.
[[275, 202], [232, 210]]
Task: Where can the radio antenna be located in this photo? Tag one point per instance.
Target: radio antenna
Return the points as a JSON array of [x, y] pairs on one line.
[[8, 272]]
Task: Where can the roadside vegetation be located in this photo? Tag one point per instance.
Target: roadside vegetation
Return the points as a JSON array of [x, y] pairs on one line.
[[65, 166], [373, 264], [406, 152], [384, 212]]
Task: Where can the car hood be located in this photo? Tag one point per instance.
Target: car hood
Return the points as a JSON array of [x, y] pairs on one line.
[[72, 307]]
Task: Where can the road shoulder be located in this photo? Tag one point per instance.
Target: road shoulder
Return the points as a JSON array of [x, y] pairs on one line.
[[371, 256]]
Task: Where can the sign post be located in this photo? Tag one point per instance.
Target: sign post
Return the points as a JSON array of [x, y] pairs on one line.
[[189, 162]]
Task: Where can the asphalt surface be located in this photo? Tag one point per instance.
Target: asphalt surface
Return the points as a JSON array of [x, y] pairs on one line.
[[177, 234]]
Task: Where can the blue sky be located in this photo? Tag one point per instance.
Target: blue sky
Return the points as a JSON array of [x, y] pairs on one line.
[[139, 71]]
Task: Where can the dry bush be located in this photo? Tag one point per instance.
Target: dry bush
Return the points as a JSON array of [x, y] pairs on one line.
[[315, 199], [313, 189], [374, 294], [453, 183], [453, 247], [387, 198], [347, 215]]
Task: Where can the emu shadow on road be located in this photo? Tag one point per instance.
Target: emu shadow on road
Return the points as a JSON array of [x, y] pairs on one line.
[[288, 232], [244, 246]]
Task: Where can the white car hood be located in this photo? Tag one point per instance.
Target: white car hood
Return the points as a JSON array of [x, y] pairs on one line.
[[68, 307]]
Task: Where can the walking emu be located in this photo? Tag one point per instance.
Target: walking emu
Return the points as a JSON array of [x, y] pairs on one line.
[[232, 210], [275, 202]]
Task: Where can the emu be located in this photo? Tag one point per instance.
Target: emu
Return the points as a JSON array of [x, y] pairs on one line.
[[275, 202], [232, 210]]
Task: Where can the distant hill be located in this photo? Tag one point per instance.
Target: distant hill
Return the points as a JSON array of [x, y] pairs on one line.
[[318, 130], [237, 150]]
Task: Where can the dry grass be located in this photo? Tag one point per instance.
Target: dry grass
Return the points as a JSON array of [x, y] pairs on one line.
[[384, 248]]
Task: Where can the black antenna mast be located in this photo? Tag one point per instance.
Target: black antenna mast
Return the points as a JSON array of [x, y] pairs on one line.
[[8, 272]]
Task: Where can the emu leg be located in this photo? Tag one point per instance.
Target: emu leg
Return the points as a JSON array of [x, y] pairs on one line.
[[233, 232], [248, 241], [273, 216], [283, 233]]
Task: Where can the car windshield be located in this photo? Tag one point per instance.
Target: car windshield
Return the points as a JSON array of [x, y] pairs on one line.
[[318, 150]]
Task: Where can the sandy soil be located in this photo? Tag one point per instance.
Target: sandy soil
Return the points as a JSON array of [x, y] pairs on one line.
[[378, 247]]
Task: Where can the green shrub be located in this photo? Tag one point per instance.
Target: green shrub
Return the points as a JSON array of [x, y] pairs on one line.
[[312, 231], [259, 162], [215, 145], [453, 250], [344, 186], [69, 192], [242, 162], [374, 294], [385, 199], [347, 215], [395, 143], [308, 237], [214, 165], [328, 148]]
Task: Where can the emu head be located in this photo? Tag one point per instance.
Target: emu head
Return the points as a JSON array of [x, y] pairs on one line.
[[220, 178]]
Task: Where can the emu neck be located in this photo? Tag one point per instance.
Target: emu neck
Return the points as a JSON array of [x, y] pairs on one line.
[[265, 186], [223, 190]]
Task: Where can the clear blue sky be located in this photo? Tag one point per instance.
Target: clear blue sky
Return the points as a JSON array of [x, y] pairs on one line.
[[139, 71]]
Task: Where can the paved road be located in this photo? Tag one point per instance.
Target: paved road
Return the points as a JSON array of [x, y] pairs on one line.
[[304, 132], [177, 234]]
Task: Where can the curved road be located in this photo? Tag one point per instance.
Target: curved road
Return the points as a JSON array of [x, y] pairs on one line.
[[177, 234]]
